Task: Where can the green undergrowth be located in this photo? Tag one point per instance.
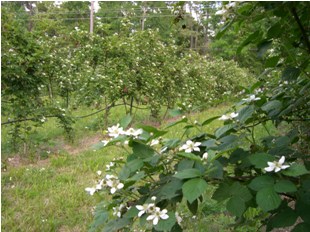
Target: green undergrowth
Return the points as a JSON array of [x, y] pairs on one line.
[[50, 196]]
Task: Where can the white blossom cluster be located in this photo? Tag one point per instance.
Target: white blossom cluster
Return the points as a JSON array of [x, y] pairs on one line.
[[229, 116], [109, 181], [155, 213], [117, 130]]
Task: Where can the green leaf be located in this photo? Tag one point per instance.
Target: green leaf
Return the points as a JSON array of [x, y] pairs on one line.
[[241, 191], [272, 61], [134, 165], [193, 207], [211, 143], [216, 170], [261, 182], [190, 156], [223, 29], [130, 168], [236, 206], [193, 188], [296, 170], [302, 227], [208, 121], [245, 113], [136, 177], [170, 190], [117, 224], [274, 31], [141, 150], [285, 186], [124, 122], [262, 47], [98, 146], [228, 142], [188, 173], [131, 213], [284, 218], [167, 224], [267, 199], [222, 192], [222, 130], [155, 131], [100, 218], [290, 74], [255, 36], [272, 107], [259, 160], [302, 207], [184, 120], [185, 164]]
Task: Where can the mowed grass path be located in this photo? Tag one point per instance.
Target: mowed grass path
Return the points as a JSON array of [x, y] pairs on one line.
[[50, 196]]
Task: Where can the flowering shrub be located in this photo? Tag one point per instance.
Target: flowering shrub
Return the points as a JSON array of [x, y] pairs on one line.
[[263, 178]]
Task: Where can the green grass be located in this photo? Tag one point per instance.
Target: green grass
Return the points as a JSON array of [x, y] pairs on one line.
[[51, 196]]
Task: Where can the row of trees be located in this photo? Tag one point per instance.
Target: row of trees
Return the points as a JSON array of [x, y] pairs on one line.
[[48, 69]]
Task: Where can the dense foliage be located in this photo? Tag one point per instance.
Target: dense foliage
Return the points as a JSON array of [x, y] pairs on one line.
[[49, 70], [264, 180]]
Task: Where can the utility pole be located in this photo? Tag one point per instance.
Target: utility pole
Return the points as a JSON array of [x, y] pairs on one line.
[[91, 26], [143, 17]]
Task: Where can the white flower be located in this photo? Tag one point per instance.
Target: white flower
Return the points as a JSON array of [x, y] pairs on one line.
[[117, 210], [105, 142], [133, 132], [91, 191], [205, 156], [228, 117], [230, 5], [99, 172], [153, 198], [190, 146], [108, 177], [220, 12], [109, 166], [154, 142], [233, 115], [251, 98], [158, 214], [115, 131], [224, 117], [276, 165], [114, 184], [145, 208], [179, 219]]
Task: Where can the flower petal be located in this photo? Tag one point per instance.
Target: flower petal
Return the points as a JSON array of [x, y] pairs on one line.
[[285, 166], [113, 190], [282, 160], [140, 207], [141, 213], [164, 216], [150, 217], [120, 185], [277, 169], [269, 169], [155, 221]]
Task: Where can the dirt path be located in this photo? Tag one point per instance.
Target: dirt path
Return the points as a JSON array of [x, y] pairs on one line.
[[80, 146]]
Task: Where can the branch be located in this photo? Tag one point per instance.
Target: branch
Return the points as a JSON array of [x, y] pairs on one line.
[[303, 31], [55, 116]]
